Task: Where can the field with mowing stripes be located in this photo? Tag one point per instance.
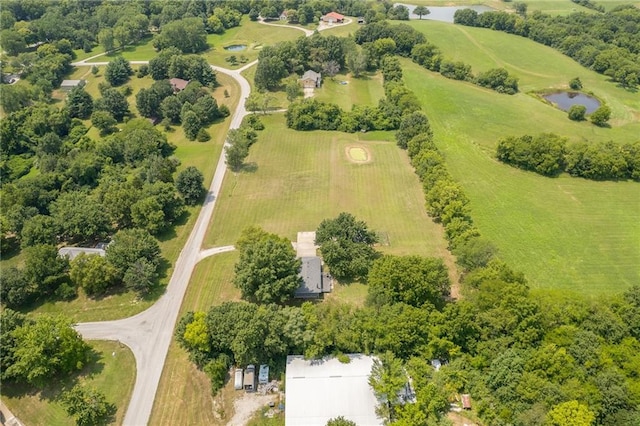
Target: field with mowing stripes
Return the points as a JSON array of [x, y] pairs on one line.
[[565, 233], [297, 179]]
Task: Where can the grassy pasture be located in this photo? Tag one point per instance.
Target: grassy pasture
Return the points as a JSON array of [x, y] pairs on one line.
[[551, 7], [296, 179], [184, 394], [366, 90], [112, 372], [565, 233], [251, 34]]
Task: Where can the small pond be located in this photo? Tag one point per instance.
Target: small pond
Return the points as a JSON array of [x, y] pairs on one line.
[[564, 100], [236, 47], [443, 13]]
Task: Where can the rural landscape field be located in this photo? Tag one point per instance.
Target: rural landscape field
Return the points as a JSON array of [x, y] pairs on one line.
[[197, 139]]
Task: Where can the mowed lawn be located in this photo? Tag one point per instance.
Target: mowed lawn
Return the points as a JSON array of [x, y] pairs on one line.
[[112, 372], [345, 90], [251, 34], [565, 233], [184, 392], [297, 179]]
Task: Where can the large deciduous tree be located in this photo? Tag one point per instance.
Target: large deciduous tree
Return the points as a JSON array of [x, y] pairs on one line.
[[130, 245], [414, 280], [189, 185], [267, 271], [387, 380], [46, 347], [346, 245], [187, 35], [421, 11], [79, 103], [92, 273], [118, 71], [87, 405]]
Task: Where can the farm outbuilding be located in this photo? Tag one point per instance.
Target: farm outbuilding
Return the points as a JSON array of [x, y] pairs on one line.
[[68, 85], [311, 79], [73, 252], [322, 389]]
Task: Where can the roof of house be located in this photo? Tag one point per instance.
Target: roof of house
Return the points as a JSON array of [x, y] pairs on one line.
[[466, 401], [178, 83], [71, 83], [311, 74], [334, 15], [319, 390], [73, 252], [311, 273]]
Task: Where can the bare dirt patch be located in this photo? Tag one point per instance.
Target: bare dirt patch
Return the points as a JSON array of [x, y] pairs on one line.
[[358, 154], [246, 406]]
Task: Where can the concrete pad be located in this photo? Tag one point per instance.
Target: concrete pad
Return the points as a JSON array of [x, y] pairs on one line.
[[306, 245]]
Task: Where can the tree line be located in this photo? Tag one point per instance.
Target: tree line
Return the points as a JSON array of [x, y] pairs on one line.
[[550, 155], [607, 43]]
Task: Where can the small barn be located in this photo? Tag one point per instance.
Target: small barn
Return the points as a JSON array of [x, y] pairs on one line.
[[332, 18], [178, 84], [311, 79], [284, 15], [68, 85], [466, 401]]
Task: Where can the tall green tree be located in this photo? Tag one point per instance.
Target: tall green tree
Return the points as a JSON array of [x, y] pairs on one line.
[[413, 280], [189, 185], [346, 245], [46, 347], [267, 271], [88, 406], [118, 71], [187, 35], [92, 273], [128, 246], [79, 103], [570, 413], [600, 116], [421, 11], [387, 380]]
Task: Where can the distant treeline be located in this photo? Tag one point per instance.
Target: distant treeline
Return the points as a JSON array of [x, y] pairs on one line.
[[608, 43], [549, 154]]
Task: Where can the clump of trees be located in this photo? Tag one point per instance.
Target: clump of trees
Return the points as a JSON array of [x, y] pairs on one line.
[[550, 155], [267, 271], [238, 143], [346, 245], [188, 35]]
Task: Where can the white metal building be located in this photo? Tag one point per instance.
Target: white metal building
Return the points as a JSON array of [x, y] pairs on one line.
[[319, 390]]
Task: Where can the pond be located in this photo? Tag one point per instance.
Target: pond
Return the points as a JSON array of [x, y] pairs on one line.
[[443, 13], [236, 47], [564, 100]]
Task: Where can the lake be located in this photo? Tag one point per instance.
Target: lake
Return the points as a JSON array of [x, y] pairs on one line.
[[564, 100], [443, 13]]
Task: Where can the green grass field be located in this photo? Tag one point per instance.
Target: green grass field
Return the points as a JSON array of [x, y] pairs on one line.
[[300, 178], [184, 395], [251, 34], [565, 233], [366, 90], [113, 373], [551, 7]]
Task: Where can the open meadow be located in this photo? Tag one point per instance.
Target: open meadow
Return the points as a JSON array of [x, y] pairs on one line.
[[294, 180], [563, 233], [111, 372], [551, 7]]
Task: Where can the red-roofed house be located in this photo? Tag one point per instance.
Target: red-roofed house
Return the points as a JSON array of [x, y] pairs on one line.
[[332, 18]]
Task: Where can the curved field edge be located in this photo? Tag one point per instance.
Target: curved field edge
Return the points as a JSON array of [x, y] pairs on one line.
[[564, 233]]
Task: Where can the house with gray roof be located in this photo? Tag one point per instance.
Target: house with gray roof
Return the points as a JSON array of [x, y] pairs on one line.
[[314, 281], [311, 79], [68, 85]]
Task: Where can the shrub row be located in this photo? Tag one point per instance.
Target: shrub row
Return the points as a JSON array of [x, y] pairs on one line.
[[549, 155], [429, 56]]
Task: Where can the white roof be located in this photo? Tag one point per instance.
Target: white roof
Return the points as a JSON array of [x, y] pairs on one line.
[[74, 252], [319, 390], [71, 83]]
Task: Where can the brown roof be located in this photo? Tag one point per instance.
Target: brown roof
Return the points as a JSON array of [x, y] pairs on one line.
[[466, 401], [178, 84]]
